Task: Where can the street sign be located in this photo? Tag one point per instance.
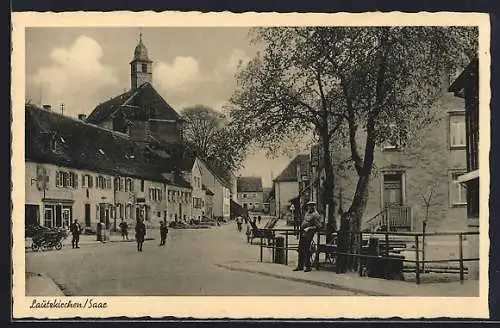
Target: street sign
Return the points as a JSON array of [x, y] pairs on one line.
[[315, 155]]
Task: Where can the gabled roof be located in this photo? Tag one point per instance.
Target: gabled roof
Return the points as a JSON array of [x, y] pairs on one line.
[[81, 145], [289, 174], [141, 104], [467, 73], [249, 184]]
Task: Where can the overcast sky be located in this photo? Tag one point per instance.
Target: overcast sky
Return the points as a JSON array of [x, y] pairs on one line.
[[82, 67]]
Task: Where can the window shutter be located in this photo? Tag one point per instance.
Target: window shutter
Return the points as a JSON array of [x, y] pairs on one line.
[[75, 180], [91, 181]]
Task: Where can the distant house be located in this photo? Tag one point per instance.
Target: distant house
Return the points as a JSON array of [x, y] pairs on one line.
[[286, 185], [466, 86], [266, 200], [250, 193]]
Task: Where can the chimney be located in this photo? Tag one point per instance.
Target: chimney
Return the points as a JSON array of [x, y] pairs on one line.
[[47, 107], [82, 117]]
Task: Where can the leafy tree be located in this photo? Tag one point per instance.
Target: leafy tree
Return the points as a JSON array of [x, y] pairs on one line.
[[210, 134], [369, 85], [283, 94]]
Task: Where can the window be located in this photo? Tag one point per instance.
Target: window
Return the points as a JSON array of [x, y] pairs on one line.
[[100, 182], [66, 179], [57, 216], [144, 68], [244, 195], [142, 185], [155, 194], [129, 184], [458, 194], [457, 131], [393, 141]]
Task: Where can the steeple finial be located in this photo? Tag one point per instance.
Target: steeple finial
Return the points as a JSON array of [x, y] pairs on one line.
[[140, 35]]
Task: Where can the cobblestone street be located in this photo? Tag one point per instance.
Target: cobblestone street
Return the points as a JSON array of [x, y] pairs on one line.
[[187, 265]]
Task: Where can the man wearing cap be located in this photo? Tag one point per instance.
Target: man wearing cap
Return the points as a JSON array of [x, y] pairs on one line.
[[309, 227]]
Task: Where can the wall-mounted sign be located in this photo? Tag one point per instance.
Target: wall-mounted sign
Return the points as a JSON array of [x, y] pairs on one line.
[[315, 155]]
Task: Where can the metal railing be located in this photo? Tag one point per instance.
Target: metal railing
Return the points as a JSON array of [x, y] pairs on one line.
[[391, 217], [359, 256]]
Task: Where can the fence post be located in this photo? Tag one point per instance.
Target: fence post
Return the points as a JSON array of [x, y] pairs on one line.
[[461, 258], [286, 248], [316, 258], [274, 246], [386, 260], [261, 250], [424, 225], [417, 265], [361, 258]]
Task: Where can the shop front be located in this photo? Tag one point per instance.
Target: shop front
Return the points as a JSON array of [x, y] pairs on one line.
[[58, 213]]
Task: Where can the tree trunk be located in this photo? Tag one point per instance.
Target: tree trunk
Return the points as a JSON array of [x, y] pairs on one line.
[[329, 187]]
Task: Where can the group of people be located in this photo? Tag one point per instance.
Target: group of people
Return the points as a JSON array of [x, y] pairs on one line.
[[140, 232]]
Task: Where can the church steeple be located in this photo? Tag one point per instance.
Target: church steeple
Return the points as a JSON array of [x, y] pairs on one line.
[[141, 67]]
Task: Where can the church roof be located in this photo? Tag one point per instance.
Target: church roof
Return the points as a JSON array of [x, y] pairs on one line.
[[140, 104]]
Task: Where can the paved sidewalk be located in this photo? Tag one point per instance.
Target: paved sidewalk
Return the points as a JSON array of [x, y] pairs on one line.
[[354, 283], [41, 285], [151, 234]]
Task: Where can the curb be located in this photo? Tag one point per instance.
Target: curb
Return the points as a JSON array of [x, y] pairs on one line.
[[302, 280], [49, 280]]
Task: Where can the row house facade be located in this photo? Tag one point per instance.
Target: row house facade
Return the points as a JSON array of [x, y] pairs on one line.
[[74, 170], [466, 86]]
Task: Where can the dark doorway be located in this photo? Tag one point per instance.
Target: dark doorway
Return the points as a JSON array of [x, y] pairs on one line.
[[87, 215], [393, 190], [31, 215]]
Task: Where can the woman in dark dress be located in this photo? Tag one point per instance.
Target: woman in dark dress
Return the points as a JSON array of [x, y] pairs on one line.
[[140, 232]]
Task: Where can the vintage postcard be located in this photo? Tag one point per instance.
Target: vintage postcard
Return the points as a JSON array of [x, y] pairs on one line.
[[220, 165]]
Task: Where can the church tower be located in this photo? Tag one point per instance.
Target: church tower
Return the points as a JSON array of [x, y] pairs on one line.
[[141, 67]]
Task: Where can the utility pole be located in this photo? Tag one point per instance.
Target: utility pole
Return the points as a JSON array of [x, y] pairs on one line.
[[62, 109]]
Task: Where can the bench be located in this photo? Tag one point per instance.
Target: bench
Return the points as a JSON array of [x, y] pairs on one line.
[[266, 232], [392, 249]]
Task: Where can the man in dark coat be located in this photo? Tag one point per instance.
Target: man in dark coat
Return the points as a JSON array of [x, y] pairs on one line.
[[76, 230], [309, 227], [140, 232], [163, 233], [124, 229]]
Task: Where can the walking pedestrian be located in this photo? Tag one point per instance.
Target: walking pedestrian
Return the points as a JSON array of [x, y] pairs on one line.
[[258, 219], [163, 233], [140, 232], [239, 222], [76, 230], [309, 227], [124, 229]]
